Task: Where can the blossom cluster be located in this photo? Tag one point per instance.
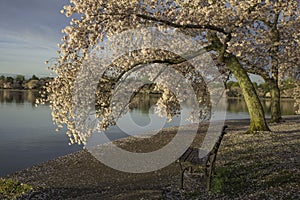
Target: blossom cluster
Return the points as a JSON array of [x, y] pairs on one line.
[[262, 34]]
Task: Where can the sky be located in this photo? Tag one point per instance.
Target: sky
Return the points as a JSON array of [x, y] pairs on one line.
[[29, 33]]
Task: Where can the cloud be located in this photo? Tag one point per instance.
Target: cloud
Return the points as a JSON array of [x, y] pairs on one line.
[[32, 19], [30, 31]]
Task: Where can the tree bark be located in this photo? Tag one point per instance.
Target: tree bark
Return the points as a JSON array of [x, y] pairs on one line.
[[255, 108], [275, 92], [275, 101]]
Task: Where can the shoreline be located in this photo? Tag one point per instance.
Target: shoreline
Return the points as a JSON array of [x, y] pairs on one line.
[[237, 97], [79, 175]]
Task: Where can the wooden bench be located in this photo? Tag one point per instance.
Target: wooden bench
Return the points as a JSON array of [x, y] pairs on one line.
[[190, 160]]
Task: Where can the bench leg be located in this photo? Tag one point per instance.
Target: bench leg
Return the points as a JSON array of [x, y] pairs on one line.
[[181, 178], [207, 166], [182, 170], [181, 175], [208, 186], [211, 172]]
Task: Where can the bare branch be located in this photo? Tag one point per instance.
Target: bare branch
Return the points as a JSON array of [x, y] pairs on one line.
[[184, 26]]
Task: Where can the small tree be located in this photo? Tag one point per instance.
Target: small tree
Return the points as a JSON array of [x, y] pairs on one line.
[[9, 79], [20, 79], [34, 77]]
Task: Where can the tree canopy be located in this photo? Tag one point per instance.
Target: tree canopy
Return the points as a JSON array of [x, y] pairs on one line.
[[257, 36]]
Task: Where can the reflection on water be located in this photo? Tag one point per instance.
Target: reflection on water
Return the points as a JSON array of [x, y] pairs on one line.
[[18, 97], [144, 102], [236, 106], [27, 135]]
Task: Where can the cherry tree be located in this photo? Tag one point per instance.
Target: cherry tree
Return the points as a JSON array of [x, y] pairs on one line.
[[241, 36], [269, 45]]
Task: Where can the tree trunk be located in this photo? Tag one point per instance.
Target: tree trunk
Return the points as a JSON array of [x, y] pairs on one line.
[[255, 109], [275, 92], [275, 101]]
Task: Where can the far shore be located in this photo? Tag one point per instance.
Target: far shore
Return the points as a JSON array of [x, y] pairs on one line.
[[231, 97], [268, 155]]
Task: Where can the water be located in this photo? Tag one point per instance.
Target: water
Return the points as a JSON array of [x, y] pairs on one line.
[[28, 136]]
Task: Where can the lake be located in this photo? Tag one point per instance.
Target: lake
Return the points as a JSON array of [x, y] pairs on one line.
[[28, 136]]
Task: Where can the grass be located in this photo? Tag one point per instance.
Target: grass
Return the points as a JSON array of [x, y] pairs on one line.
[[10, 189], [261, 166], [268, 167], [234, 180]]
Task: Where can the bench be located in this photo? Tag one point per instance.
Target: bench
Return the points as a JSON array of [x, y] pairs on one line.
[[190, 160]]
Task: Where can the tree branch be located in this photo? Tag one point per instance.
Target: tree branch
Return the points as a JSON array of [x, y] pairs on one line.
[[174, 61], [175, 25]]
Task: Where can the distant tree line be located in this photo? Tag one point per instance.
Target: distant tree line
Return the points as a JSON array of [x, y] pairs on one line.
[[19, 82]]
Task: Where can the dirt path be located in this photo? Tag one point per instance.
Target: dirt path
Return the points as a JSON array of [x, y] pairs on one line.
[[265, 165]]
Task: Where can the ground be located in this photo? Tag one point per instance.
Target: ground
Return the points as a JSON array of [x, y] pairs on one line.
[[261, 166]]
